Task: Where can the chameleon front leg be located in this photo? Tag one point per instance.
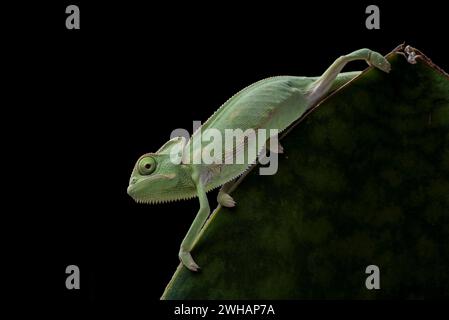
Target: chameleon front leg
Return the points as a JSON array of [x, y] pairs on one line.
[[200, 219], [324, 83]]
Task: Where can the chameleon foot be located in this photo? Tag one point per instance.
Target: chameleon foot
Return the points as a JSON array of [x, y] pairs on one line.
[[225, 200], [187, 260]]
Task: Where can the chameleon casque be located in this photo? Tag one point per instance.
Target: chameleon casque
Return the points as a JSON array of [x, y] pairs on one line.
[[271, 103]]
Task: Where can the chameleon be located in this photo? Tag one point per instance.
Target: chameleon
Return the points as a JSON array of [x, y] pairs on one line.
[[271, 103]]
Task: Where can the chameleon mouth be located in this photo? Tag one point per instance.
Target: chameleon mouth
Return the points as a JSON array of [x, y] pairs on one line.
[[161, 198], [136, 187]]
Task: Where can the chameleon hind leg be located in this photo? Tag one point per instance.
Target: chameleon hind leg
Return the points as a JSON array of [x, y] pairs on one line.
[[223, 196], [324, 84]]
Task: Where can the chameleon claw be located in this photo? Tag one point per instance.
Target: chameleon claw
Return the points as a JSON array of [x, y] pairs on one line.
[[187, 260], [193, 267], [225, 200]]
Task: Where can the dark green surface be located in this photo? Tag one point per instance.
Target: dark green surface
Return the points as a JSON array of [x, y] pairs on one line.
[[364, 180]]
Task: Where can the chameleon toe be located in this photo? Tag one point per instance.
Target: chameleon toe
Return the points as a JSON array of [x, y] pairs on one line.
[[226, 200], [187, 260]]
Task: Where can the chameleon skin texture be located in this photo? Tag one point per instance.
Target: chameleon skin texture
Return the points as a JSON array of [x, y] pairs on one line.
[[364, 180], [257, 107]]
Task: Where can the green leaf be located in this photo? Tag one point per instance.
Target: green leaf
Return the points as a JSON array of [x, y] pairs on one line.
[[364, 180]]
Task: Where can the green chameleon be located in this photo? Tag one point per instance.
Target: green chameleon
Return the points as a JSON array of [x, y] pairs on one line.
[[272, 103]]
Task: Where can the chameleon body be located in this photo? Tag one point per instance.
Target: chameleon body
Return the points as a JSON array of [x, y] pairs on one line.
[[272, 103]]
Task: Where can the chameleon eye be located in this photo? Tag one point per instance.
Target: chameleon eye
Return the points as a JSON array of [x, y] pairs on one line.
[[146, 166]]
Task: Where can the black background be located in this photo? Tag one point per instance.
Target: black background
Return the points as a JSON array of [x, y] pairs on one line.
[[87, 103]]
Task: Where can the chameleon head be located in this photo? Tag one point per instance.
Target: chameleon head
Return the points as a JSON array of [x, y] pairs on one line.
[[156, 178], [152, 178]]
